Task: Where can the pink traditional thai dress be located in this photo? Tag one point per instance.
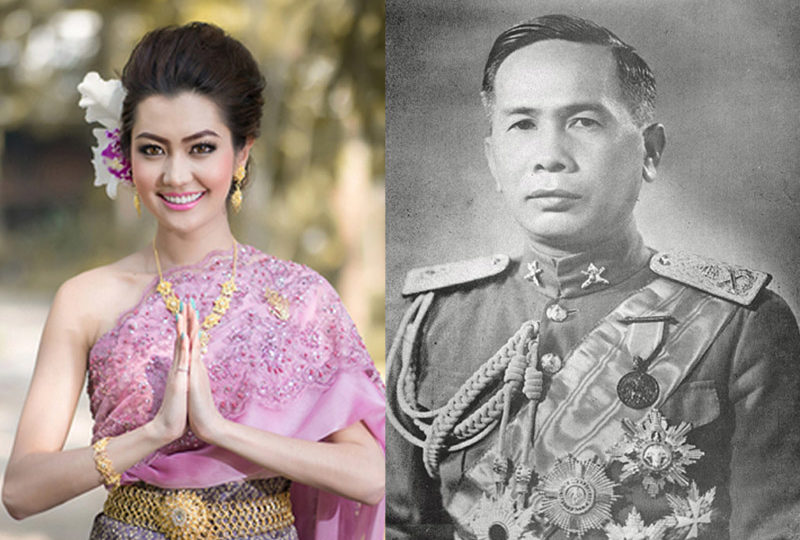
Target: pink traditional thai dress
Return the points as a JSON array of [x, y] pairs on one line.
[[304, 377]]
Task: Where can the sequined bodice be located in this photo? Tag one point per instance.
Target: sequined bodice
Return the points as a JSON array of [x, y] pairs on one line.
[[253, 356]]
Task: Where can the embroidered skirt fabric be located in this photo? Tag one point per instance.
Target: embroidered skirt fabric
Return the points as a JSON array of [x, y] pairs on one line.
[[108, 528]]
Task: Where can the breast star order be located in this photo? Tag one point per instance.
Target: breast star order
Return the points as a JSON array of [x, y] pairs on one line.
[[533, 273], [593, 276], [693, 511]]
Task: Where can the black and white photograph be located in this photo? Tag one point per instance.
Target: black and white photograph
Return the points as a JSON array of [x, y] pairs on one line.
[[592, 250]]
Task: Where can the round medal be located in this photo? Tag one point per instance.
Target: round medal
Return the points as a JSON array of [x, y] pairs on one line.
[[638, 390], [556, 313]]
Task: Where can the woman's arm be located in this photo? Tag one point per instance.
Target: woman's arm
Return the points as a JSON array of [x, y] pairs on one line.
[[39, 474], [349, 462]]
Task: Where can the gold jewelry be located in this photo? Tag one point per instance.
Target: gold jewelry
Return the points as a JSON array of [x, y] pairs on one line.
[[236, 196], [278, 303], [184, 513], [103, 464], [221, 304], [137, 203]]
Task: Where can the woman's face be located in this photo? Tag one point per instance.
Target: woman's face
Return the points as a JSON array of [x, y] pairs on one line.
[[183, 160]]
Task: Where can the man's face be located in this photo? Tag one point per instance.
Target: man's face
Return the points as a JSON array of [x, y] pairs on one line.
[[564, 149]]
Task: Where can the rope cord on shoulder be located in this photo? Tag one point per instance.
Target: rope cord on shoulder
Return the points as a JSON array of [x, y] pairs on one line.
[[406, 337], [507, 367], [446, 421], [407, 380], [417, 312]]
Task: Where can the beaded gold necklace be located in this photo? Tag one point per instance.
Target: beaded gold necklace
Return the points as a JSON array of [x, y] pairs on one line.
[[221, 304]]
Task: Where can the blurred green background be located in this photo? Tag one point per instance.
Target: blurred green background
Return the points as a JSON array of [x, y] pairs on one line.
[[317, 198]]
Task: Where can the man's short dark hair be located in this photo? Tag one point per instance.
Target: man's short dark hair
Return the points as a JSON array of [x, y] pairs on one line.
[[636, 79]]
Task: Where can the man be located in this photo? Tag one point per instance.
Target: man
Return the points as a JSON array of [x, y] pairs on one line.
[[593, 387]]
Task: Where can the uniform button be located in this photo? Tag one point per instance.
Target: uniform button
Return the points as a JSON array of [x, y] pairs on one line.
[[556, 313], [551, 363]]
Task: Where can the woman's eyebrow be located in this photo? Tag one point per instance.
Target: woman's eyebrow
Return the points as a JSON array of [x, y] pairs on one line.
[[198, 135]]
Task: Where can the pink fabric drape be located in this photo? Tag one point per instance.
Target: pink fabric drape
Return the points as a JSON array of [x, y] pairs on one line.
[[305, 377]]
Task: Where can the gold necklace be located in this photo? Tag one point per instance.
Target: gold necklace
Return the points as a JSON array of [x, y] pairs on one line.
[[221, 304]]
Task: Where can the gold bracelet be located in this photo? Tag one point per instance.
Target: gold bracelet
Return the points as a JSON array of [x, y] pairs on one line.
[[103, 464]]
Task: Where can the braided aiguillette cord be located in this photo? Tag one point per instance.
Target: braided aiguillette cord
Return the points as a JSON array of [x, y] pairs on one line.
[[395, 393], [524, 474], [445, 423], [513, 379], [445, 419], [406, 338], [407, 377]]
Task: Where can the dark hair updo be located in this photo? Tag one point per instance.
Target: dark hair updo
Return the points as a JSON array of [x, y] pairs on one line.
[[197, 57]]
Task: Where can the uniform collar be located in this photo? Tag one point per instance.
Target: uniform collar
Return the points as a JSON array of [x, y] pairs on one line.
[[588, 272]]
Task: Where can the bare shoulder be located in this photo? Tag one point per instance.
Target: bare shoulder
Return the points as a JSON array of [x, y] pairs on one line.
[[93, 300]]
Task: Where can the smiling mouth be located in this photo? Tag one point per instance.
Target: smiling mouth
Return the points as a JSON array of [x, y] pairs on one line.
[[181, 201], [186, 198]]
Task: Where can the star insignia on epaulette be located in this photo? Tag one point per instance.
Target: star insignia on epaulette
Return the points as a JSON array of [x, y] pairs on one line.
[[655, 452], [593, 276], [729, 281]]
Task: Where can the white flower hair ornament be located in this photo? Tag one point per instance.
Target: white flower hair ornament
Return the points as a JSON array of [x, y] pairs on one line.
[[103, 103]]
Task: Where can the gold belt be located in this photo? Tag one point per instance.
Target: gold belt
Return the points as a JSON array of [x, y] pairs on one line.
[[182, 514]]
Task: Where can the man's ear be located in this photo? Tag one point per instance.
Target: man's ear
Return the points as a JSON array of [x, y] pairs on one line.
[[488, 150], [654, 142]]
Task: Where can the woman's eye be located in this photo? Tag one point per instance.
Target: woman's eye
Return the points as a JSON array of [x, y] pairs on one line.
[[151, 150], [203, 148], [524, 124]]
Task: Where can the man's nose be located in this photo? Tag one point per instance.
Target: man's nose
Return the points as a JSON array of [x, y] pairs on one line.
[[553, 154]]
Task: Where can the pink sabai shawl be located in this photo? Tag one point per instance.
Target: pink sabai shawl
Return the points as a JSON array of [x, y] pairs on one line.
[[304, 377]]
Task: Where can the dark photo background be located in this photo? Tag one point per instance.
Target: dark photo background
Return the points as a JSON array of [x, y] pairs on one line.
[[728, 94]]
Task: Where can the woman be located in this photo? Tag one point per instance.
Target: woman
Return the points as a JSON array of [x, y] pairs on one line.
[[217, 373]]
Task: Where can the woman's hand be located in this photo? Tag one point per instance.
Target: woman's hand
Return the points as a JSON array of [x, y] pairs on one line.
[[205, 419], [349, 462], [40, 473], [170, 421]]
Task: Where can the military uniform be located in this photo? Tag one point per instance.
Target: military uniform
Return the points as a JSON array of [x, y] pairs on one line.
[[704, 443]]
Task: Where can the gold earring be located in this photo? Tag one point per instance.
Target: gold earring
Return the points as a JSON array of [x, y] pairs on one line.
[[236, 196], [137, 203]]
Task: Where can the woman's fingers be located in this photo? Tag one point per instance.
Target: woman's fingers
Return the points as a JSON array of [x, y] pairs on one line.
[[194, 322], [181, 361], [171, 418], [177, 350], [187, 344], [185, 341]]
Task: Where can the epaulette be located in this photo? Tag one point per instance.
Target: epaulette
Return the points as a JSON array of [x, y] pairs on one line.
[[431, 278], [734, 283]]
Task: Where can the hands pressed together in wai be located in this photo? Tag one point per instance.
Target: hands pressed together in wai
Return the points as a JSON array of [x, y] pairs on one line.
[[188, 401]]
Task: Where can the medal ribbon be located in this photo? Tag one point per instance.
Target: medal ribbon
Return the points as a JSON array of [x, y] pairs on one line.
[[581, 412]]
